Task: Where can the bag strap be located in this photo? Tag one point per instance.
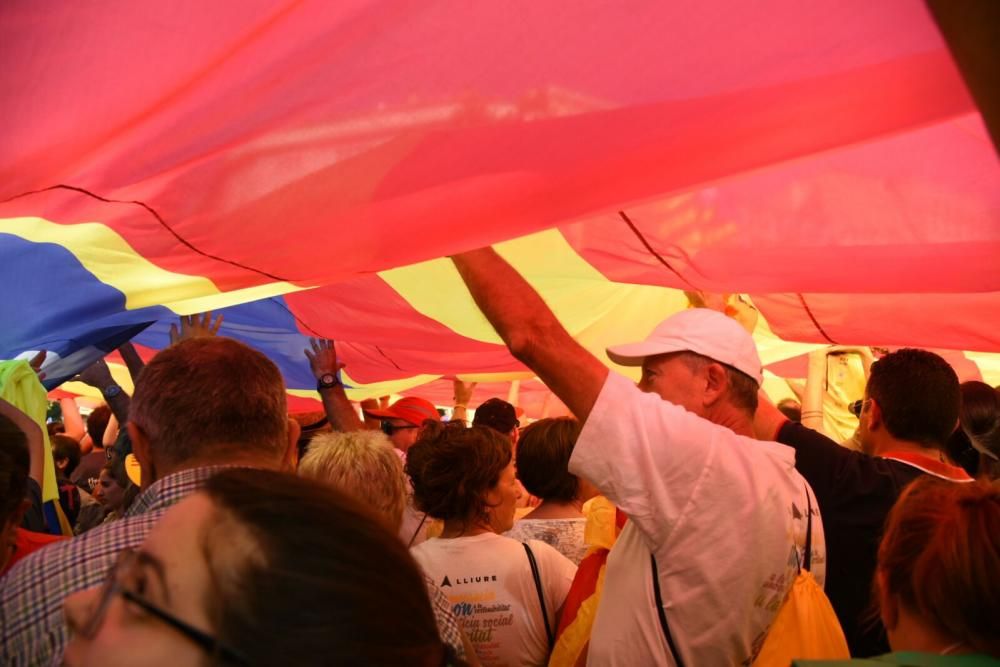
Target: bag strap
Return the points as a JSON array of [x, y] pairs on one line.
[[417, 531], [541, 596], [809, 530], [663, 615]]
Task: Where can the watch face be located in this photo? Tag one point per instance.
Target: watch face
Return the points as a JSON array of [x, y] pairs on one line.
[[328, 379]]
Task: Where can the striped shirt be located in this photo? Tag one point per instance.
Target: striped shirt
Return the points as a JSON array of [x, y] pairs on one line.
[[32, 628]]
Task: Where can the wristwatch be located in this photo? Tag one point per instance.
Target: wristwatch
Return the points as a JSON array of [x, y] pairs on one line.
[[111, 391], [327, 381]]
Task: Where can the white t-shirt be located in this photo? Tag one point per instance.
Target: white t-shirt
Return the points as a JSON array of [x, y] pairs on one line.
[[487, 579], [725, 516]]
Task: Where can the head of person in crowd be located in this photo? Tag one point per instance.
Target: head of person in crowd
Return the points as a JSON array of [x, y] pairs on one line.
[[264, 568], [702, 361], [210, 401], [362, 465], [937, 577], [500, 416], [912, 397], [975, 444], [403, 420], [97, 423], [65, 454], [542, 462], [15, 462], [55, 428], [465, 477], [111, 487], [791, 408]]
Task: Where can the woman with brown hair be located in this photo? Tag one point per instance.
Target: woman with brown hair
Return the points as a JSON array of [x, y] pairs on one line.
[[507, 594], [938, 576], [259, 568], [543, 453]]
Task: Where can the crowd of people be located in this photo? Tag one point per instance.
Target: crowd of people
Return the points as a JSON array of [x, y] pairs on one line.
[[200, 524]]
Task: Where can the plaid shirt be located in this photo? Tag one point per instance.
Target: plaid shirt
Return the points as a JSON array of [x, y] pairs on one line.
[[32, 628], [447, 622]]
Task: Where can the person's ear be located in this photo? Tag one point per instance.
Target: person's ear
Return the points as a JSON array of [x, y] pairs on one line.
[[875, 419], [716, 382], [61, 464], [290, 460], [143, 453]]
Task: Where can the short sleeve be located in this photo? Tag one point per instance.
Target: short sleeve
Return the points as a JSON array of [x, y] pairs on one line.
[[650, 457]]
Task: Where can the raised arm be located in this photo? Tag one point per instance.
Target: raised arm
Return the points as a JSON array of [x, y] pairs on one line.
[[72, 419], [532, 333], [463, 394], [33, 432], [132, 360], [98, 375], [325, 366]]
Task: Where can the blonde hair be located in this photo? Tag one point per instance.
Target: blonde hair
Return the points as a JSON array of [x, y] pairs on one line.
[[362, 464]]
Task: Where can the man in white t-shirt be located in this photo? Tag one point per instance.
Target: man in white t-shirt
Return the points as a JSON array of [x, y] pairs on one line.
[[723, 515]]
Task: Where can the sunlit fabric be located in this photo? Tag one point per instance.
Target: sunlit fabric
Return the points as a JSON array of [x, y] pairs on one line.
[[300, 166]]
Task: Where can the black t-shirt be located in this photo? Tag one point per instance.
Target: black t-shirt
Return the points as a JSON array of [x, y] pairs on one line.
[[855, 493], [89, 471]]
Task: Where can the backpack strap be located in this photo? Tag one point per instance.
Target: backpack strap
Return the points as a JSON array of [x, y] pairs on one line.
[[541, 595], [663, 615], [809, 531]]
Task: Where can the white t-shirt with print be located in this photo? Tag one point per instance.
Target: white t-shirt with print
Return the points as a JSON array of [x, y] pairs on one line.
[[724, 514], [564, 535], [487, 579]]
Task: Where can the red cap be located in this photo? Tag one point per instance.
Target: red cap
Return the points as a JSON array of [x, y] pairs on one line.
[[410, 409]]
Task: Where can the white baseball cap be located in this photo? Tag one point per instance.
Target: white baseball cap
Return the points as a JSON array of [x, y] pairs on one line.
[[702, 331]]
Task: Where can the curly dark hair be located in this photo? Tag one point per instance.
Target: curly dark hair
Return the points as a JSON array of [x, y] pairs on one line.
[[453, 468], [543, 452], [919, 395]]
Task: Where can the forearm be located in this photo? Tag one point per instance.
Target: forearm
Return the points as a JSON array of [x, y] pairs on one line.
[[531, 331], [812, 397], [132, 361], [119, 406], [110, 432], [72, 419], [339, 411]]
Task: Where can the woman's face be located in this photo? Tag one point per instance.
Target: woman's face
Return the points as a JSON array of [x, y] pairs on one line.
[[503, 500], [169, 572], [108, 492]]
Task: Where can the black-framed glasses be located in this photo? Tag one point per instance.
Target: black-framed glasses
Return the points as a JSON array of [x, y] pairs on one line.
[[857, 406], [114, 585], [389, 428]]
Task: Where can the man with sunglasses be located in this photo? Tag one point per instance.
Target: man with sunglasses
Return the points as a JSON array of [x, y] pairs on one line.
[[910, 408]]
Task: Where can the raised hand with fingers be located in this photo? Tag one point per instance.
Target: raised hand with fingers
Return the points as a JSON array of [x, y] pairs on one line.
[[463, 391], [323, 358], [97, 375], [195, 326]]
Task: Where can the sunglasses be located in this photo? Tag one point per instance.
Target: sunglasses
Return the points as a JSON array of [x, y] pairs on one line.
[[856, 407], [389, 428]]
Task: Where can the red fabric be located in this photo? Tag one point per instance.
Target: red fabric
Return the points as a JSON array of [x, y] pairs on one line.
[[27, 542]]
